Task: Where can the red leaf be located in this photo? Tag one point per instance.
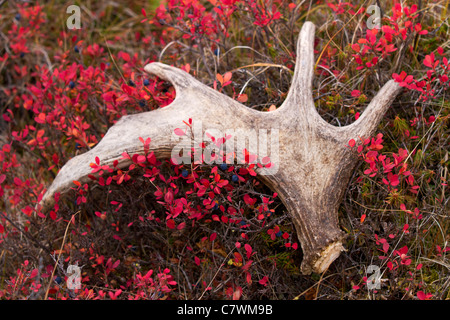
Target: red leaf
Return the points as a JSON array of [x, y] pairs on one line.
[[125, 56], [168, 197], [53, 215], [170, 224], [77, 183], [34, 273], [423, 296], [249, 200], [237, 293], [272, 108], [292, 6], [17, 181], [140, 159], [390, 265], [363, 217], [181, 226], [352, 143], [393, 179], [40, 118], [356, 47], [179, 132], [226, 78], [116, 264], [356, 93], [242, 98], [429, 61], [264, 280], [27, 210], [247, 265], [405, 228], [219, 78], [248, 248]]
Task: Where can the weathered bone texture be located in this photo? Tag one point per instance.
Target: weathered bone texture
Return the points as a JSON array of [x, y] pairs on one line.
[[315, 162]]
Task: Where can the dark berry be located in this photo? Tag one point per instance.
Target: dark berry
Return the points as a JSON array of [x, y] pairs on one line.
[[184, 173], [131, 83], [142, 103], [18, 17], [278, 234], [146, 82], [22, 54], [58, 280], [71, 84], [223, 167], [235, 178], [216, 206], [217, 51], [76, 49]]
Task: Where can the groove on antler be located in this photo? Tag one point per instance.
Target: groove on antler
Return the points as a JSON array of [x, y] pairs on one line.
[[314, 161]]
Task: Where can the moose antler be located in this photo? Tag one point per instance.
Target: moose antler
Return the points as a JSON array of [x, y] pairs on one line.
[[314, 161]]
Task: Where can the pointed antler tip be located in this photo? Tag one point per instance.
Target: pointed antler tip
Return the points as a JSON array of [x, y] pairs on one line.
[[153, 68], [179, 78], [309, 24]]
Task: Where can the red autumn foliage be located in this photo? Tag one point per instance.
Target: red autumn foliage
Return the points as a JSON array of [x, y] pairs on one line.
[[160, 230]]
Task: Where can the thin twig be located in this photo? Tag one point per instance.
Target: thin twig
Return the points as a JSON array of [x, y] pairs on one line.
[[26, 234], [59, 255], [221, 265]]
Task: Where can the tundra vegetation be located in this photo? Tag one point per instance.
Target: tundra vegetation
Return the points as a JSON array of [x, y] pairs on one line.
[[155, 229]]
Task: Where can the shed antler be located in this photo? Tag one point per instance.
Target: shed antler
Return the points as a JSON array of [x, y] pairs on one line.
[[314, 163]]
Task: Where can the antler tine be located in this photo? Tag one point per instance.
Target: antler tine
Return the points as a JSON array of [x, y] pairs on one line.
[[179, 78], [367, 123], [300, 94]]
